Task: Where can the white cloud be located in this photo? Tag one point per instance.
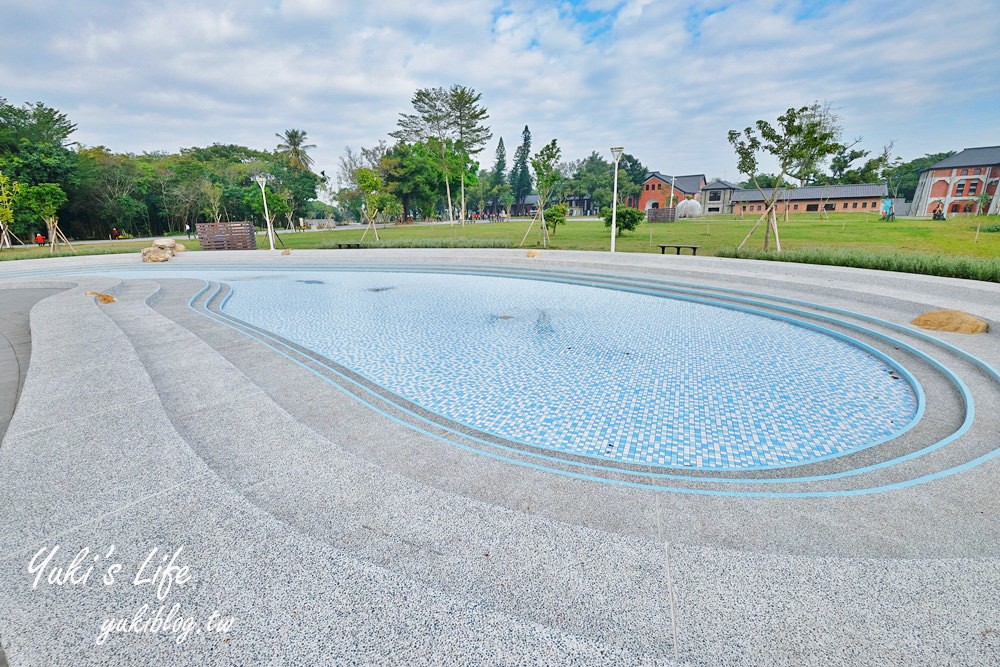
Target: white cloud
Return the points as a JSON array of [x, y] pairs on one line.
[[666, 79]]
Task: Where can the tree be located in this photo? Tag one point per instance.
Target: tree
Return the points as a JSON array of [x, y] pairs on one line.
[[297, 186], [467, 119], [35, 124], [631, 176], [294, 149], [628, 219], [593, 179], [33, 150], [44, 201], [8, 196], [349, 197], [502, 196], [212, 198], [556, 215], [547, 177], [547, 174], [872, 170], [907, 174], [983, 203], [520, 176], [764, 181], [479, 192], [431, 123], [799, 139], [451, 121], [411, 174], [377, 202], [807, 164], [498, 175], [115, 187]]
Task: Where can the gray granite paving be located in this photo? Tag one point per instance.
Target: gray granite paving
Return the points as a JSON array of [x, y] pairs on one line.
[[338, 535], [15, 345]]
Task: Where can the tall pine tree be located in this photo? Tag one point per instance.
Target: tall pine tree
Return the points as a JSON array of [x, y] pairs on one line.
[[467, 119], [520, 174], [499, 173]]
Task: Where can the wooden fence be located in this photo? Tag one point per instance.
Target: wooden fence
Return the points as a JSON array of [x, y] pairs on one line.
[[227, 235], [661, 214]]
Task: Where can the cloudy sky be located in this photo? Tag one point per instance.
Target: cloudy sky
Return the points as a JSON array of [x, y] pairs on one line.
[[666, 79]]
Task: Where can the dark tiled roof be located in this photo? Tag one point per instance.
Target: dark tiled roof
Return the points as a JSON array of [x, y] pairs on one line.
[[721, 185], [970, 157], [817, 192], [689, 184]]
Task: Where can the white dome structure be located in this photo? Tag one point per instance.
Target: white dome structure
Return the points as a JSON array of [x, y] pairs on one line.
[[689, 208]]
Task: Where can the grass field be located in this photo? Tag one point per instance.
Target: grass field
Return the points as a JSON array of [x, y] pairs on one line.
[[846, 230], [953, 237]]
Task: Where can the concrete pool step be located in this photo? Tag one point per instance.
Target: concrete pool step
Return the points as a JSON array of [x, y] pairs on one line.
[[15, 344]]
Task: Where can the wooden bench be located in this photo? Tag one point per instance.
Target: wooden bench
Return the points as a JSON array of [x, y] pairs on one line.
[[677, 247], [343, 246]]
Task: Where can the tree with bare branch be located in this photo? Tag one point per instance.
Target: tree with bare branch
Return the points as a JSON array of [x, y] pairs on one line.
[[800, 138]]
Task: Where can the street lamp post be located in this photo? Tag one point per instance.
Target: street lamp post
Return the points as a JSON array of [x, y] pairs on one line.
[[262, 181], [616, 152]]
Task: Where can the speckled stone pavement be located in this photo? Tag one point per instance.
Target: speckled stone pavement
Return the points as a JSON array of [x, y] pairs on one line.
[[333, 525]]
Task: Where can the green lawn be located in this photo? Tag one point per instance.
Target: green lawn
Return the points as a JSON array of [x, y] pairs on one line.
[[953, 237], [845, 230]]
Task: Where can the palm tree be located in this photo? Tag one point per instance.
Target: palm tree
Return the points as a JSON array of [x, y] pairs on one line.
[[983, 203], [293, 148]]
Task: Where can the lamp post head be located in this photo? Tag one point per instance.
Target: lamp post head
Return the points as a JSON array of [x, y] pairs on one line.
[[617, 151]]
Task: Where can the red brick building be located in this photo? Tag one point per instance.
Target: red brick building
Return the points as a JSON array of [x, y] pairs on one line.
[[956, 183], [656, 189], [864, 198]]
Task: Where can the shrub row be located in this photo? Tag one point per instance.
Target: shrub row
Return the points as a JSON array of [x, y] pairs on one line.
[[427, 243], [923, 263]]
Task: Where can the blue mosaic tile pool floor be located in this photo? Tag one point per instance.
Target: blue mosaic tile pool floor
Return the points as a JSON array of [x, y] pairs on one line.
[[592, 372]]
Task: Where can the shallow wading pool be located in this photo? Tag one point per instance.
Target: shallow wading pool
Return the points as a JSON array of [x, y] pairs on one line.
[[593, 372]]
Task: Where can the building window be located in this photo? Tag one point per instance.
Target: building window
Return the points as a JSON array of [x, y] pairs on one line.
[[812, 207], [713, 209], [973, 187], [845, 205], [864, 204], [758, 207], [744, 207], [854, 204], [795, 207], [874, 204], [715, 195], [829, 207], [954, 208], [964, 172], [977, 171]]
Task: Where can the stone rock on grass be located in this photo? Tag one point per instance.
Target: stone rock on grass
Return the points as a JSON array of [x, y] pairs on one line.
[[951, 320], [165, 244], [155, 254], [180, 247]]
